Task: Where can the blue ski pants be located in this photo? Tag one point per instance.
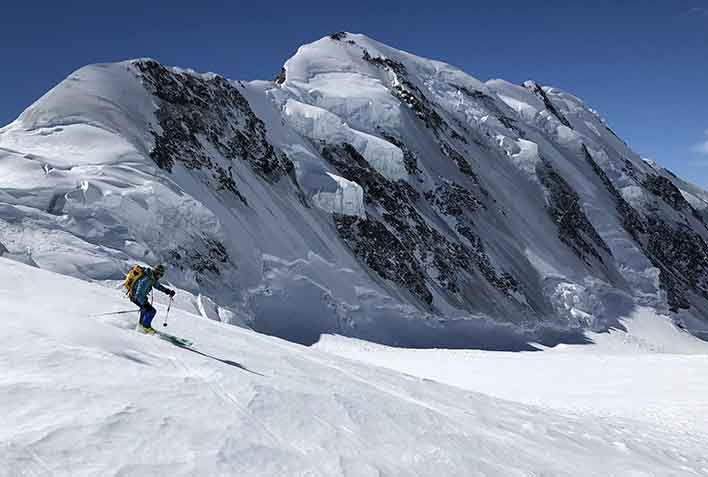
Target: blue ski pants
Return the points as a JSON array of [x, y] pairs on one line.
[[147, 313]]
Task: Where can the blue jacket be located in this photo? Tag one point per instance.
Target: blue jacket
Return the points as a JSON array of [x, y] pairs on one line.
[[142, 287]]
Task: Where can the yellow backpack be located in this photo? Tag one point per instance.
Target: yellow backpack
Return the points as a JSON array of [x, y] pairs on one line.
[[132, 278]]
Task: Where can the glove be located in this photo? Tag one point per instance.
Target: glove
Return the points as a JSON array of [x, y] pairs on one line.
[[171, 293]]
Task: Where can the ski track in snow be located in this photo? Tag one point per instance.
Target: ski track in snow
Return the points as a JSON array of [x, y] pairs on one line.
[[85, 395]]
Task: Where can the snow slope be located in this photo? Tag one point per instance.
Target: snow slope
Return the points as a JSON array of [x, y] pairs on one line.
[[366, 192], [650, 372], [83, 395]]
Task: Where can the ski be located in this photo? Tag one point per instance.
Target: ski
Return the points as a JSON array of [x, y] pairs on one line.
[[176, 340]]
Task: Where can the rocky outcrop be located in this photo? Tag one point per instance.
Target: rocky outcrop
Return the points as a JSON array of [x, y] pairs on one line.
[[197, 113], [452, 199], [280, 79], [665, 189], [205, 256], [678, 252], [490, 105], [410, 159], [574, 228], [432, 257], [541, 94], [629, 217], [384, 253], [682, 256]]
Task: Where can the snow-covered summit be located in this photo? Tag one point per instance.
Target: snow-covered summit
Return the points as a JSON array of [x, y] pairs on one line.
[[366, 191]]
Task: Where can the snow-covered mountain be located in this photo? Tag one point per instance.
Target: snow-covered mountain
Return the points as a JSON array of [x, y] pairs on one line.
[[365, 191]]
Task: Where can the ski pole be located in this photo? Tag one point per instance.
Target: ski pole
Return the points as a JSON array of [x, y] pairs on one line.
[[115, 313], [164, 323]]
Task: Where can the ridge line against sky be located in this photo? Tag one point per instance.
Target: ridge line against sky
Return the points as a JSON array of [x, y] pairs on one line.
[[641, 65]]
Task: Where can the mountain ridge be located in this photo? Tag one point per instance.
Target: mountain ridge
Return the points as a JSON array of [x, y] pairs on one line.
[[366, 191]]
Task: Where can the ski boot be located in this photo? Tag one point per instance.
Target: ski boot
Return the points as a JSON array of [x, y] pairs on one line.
[[145, 329]]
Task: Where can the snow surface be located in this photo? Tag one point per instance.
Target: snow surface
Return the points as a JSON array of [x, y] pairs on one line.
[[87, 395], [650, 372]]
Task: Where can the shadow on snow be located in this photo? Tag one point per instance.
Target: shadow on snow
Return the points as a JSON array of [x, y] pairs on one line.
[[227, 362]]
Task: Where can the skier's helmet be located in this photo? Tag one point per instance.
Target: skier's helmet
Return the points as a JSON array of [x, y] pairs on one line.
[[159, 270]]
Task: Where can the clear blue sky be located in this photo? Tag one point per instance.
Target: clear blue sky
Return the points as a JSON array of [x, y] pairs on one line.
[[642, 64]]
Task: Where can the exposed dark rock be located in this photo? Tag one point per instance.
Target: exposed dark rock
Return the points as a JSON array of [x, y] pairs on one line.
[[205, 256], [453, 199], [629, 169], [458, 159], [383, 253], [338, 36], [225, 181], [200, 114], [476, 95], [666, 190], [490, 104], [410, 160], [574, 228], [280, 79], [629, 217], [538, 91], [679, 253], [682, 256], [439, 260], [430, 249]]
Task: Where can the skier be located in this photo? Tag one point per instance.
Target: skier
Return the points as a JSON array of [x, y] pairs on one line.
[[139, 289]]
